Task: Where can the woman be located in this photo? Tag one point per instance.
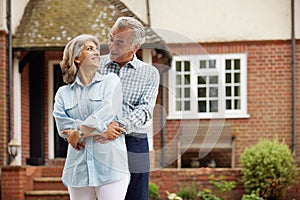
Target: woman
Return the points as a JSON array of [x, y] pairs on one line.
[[84, 108]]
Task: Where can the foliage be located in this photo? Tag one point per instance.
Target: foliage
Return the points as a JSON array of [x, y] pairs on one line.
[[268, 169], [153, 191], [191, 193], [187, 192], [173, 196], [207, 195], [252, 196], [221, 185]]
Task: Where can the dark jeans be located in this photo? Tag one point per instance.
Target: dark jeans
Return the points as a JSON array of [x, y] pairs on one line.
[[139, 166]]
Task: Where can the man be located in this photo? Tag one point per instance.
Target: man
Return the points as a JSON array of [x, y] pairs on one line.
[[140, 82]]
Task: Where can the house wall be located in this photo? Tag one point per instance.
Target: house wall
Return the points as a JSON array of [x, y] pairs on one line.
[[17, 10], [219, 21], [139, 7], [269, 95]]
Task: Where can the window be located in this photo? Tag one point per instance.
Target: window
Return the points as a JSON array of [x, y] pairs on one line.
[[208, 86]]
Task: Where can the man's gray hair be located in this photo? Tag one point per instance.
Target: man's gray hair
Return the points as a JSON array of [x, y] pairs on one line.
[[135, 25]]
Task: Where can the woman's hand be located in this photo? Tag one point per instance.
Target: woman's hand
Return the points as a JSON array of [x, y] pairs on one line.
[[112, 132], [74, 139]]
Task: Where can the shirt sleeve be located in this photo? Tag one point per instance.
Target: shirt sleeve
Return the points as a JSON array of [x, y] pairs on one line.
[[143, 112], [62, 120]]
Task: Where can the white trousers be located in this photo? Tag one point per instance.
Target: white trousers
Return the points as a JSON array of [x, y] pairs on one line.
[[111, 191]]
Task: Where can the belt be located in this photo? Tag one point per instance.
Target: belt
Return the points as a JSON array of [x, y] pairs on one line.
[[140, 135]]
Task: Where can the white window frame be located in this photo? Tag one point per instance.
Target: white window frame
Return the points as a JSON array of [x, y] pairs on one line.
[[220, 71]]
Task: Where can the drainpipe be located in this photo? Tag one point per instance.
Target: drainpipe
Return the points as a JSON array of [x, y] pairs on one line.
[[8, 12], [163, 118], [293, 80], [148, 13]]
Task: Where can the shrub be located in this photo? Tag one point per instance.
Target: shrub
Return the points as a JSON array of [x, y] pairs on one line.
[[207, 195], [221, 185], [268, 169], [188, 192], [153, 191], [251, 196]]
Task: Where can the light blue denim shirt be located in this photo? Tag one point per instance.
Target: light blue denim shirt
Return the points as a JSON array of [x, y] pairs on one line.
[[94, 105]]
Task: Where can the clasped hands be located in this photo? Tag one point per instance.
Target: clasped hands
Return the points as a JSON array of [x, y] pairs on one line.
[[77, 141]]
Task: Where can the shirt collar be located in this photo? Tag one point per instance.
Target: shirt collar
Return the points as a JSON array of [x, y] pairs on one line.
[[132, 63], [97, 78]]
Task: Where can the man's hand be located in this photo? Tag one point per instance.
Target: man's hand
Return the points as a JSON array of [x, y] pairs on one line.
[[73, 139], [112, 132]]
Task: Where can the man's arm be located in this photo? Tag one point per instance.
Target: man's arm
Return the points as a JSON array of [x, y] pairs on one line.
[[144, 111]]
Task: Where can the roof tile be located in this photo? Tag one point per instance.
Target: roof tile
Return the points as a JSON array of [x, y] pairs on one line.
[[52, 23]]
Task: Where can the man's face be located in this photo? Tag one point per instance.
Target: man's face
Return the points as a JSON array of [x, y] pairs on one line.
[[120, 48]]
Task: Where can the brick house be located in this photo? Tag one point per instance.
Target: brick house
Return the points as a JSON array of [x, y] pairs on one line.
[[218, 82]]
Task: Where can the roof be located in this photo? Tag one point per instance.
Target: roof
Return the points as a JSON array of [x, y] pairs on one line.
[[52, 23]]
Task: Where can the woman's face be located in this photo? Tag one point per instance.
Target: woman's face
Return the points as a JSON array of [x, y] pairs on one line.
[[89, 55]]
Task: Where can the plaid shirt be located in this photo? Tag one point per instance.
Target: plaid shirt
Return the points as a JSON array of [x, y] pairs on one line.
[[140, 83]]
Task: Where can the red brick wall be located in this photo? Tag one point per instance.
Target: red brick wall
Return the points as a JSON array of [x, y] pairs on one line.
[[25, 114], [3, 99], [172, 180], [269, 92], [13, 182]]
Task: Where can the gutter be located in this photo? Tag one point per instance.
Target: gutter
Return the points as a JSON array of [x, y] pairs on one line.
[[293, 43]]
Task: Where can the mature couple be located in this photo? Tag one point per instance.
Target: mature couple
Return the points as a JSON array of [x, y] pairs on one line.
[[103, 114]]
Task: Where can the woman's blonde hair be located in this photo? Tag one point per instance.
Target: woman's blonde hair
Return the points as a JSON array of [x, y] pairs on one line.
[[72, 50]]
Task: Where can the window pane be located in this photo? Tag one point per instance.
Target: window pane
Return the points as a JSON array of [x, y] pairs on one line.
[[213, 79], [228, 91], [201, 80], [187, 105], [178, 93], [237, 77], [187, 92], [202, 64], [213, 92], [178, 66], [237, 64], [201, 106], [178, 105], [228, 104], [237, 91], [212, 64], [201, 92], [228, 78], [237, 104], [228, 64], [187, 66], [187, 79], [213, 106], [178, 79]]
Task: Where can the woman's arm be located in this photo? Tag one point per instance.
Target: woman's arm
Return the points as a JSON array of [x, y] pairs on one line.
[[101, 123]]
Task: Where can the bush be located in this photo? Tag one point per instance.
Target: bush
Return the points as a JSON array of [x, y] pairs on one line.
[[251, 196], [269, 169], [153, 191], [207, 195], [188, 192]]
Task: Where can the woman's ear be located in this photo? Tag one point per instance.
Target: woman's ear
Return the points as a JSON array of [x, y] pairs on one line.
[[77, 61]]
